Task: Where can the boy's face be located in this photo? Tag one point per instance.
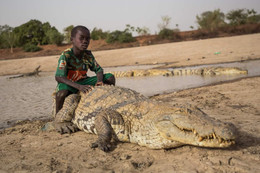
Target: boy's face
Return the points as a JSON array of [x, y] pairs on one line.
[[81, 39]]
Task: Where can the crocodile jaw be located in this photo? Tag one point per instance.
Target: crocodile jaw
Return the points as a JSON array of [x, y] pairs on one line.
[[196, 130]]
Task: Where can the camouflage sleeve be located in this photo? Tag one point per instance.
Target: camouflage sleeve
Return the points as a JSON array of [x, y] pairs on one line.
[[94, 65], [62, 67]]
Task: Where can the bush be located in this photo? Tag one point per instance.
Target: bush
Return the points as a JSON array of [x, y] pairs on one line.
[[55, 37], [113, 36], [204, 34], [166, 34], [126, 37], [169, 34], [97, 34], [120, 36], [29, 47], [241, 29]]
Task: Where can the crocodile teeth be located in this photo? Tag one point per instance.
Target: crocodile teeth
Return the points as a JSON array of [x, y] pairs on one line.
[[214, 136]]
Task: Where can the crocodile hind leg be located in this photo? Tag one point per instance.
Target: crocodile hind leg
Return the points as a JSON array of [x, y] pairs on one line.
[[106, 123]]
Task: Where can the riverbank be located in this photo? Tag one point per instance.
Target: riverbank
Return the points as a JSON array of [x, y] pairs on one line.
[[25, 148], [187, 53]]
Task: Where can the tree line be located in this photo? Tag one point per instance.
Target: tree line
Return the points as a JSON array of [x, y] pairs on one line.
[[33, 33]]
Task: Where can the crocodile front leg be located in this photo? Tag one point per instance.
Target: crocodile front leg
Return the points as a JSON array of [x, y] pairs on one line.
[[103, 124], [62, 121]]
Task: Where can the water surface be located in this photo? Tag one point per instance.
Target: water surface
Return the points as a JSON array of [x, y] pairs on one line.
[[160, 84], [31, 97]]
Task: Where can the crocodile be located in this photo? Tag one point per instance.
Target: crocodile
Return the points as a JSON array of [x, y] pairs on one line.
[[120, 114], [177, 72]]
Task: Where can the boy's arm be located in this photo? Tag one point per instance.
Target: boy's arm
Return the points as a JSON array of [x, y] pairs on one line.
[[83, 88], [97, 69], [61, 75], [99, 78]]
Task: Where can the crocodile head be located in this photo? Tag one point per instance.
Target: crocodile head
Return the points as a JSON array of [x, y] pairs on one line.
[[192, 126], [225, 70]]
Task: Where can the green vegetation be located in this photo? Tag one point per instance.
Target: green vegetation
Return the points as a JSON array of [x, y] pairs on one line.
[[97, 34], [67, 33], [142, 31], [54, 37], [29, 47], [30, 32], [29, 35], [211, 20], [165, 32], [165, 22], [210, 23], [120, 36], [37, 33], [243, 16], [7, 37]]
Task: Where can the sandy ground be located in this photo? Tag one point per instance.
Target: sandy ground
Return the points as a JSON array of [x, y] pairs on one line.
[[24, 148]]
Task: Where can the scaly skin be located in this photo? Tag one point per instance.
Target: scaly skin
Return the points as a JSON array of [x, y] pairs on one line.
[[177, 72], [122, 114]]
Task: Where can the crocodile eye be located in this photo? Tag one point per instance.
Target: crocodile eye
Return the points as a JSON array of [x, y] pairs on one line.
[[166, 117]]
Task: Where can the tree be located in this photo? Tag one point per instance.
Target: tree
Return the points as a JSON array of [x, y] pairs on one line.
[[142, 31], [242, 16], [237, 17], [46, 27], [253, 17], [126, 37], [129, 28], [120, 36], [97, 34], [166, 34], [54, 36], [30, 32], [67, 32], [8, 36], [211, 20], [37, 33], [165, 22]]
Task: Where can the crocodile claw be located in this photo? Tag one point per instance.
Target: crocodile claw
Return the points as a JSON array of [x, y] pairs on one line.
[[65, 127], [106, 147]]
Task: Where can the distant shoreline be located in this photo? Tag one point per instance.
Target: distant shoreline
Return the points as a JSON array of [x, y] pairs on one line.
[[179, 54]]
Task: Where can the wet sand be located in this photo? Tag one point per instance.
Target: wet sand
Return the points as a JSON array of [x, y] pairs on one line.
[[25, 148]]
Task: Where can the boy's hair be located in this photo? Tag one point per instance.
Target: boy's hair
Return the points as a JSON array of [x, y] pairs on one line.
[[76, 28]]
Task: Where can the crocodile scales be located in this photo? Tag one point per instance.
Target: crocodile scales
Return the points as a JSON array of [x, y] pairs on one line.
[[127, 116], [181, 71]]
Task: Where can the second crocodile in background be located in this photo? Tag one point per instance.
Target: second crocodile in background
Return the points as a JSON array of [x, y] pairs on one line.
[[124, 115], [181, 71]]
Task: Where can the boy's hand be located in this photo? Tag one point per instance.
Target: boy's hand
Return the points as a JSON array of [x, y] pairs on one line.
[[99, 83], [85, 88]]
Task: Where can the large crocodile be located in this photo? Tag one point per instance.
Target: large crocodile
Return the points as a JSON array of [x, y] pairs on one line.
[[181, 71], [122, 114]]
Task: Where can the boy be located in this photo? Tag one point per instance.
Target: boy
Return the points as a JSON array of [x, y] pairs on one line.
[[73, 65]]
